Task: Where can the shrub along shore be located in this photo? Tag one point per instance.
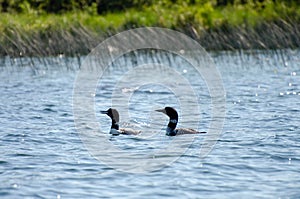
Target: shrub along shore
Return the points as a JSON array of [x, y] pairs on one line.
[[264, 24]]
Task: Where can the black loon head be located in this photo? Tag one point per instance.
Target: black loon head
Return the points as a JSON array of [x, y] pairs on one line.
[[169, 111], [173, 115], [114, 115]]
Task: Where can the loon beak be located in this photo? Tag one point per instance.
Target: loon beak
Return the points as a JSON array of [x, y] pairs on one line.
[[161, 110], [104, 112]]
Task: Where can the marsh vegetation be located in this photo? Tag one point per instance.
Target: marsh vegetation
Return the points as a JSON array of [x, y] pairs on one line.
[[72, 28]]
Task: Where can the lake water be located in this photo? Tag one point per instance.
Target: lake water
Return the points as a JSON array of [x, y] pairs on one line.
[[257, 155]]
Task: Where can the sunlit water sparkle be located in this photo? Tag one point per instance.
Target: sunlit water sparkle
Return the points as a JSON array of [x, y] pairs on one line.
[[257, 155]]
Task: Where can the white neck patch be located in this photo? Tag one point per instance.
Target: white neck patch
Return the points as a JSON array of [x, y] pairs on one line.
[[173, 121]]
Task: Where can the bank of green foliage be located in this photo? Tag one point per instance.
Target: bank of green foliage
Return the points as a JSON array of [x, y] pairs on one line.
[[122, 14], [105, 6], [24, 21]]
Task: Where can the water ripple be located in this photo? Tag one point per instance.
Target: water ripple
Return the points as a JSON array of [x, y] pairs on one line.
[[257, 155]]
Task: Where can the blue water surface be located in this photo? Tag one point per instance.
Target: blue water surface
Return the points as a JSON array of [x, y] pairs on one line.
[[256, 156]]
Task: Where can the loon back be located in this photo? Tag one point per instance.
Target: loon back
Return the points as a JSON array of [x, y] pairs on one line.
[[127, 131], [182, 131]]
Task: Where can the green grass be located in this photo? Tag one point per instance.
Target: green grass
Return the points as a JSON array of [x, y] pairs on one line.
[[201, 16], [18, 29], [205, 16]]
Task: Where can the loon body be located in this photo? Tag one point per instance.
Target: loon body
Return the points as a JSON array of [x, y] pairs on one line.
[[114, 129], [171, 129]]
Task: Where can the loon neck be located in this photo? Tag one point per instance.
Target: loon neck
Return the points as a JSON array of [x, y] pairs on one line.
[[171, 126], [172, 123], [171, 132], [114, 124]]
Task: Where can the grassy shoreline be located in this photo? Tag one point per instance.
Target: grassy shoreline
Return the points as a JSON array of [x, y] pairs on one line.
[[234, 27]]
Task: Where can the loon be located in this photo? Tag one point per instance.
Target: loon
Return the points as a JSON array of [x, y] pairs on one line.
[[171, 129], [114, 129]]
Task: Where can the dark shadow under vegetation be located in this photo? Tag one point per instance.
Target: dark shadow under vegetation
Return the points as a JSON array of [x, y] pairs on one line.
[[80, 41]]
